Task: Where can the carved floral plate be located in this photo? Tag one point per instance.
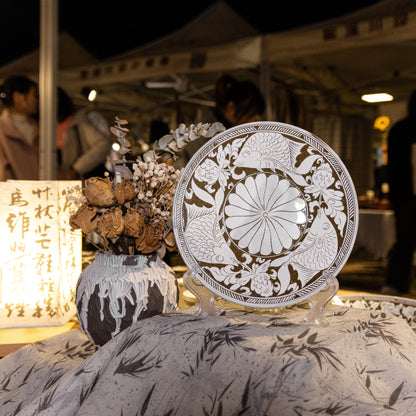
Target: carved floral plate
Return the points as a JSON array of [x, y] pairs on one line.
[[265, 214]]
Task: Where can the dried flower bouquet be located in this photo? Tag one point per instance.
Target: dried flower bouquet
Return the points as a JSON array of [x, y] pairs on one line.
[[132, 213]]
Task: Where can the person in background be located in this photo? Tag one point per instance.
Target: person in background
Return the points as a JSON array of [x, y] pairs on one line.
[[19, 129], [86, 140], [236, 102], [401, 173], [65, 113]]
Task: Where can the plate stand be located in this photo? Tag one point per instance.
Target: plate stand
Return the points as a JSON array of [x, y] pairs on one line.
[[318, 302], [205, 298]]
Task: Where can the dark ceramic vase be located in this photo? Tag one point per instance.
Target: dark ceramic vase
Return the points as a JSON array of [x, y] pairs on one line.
[[116, 290]]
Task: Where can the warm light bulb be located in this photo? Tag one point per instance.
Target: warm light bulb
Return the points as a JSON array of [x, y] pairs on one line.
[[92, 95], [381, 123], [116, 147], [377, 98]]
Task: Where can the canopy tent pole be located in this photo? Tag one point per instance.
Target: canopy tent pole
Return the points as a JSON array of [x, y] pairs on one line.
[[48, 88]]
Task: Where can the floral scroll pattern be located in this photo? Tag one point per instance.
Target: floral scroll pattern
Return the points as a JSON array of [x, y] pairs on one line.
[[265, 212]]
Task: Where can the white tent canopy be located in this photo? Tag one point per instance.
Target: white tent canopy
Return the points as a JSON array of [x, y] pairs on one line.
[[333, 61], [371, 50], [184, 64], [217, 25], [320, 69], [71, 54]]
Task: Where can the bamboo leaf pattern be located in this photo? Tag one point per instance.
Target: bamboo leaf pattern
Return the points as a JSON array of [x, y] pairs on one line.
[[246, 393], [236, 364], [333, 409], [311, 348], [18, 408], [127, 343], [137, 366], [76, 351], [395, 395], [376, 331], [27, 375], [146, 401], [46, 401], [83, 395], [53, 380], [7, 379]]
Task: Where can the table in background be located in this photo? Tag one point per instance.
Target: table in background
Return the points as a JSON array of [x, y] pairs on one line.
[[376, 232]]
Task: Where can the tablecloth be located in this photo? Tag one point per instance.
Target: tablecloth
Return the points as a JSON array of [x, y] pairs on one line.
[[242, 362], [376, 232]]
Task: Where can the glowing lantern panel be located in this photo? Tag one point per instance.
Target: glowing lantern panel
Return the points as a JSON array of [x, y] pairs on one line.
[[40, 255]]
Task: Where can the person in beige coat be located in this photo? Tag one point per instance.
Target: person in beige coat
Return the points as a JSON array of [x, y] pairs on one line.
[[86, 140], [19, 129]]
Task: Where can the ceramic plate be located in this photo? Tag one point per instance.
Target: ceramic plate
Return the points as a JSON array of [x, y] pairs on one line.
[[264, 214]]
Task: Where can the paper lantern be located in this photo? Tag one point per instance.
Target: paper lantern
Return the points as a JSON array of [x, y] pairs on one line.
[[40, 255]]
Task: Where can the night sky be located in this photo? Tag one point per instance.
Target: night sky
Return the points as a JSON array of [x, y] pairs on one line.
[[109, 28]]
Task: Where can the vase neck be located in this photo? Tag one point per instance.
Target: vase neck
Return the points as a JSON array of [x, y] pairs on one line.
[[120, 260]]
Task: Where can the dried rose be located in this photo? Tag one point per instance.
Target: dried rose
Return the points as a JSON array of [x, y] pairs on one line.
[[133, 223], [111, 223], [99, 192], [151, 239], [124, 191], [84, 218]]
